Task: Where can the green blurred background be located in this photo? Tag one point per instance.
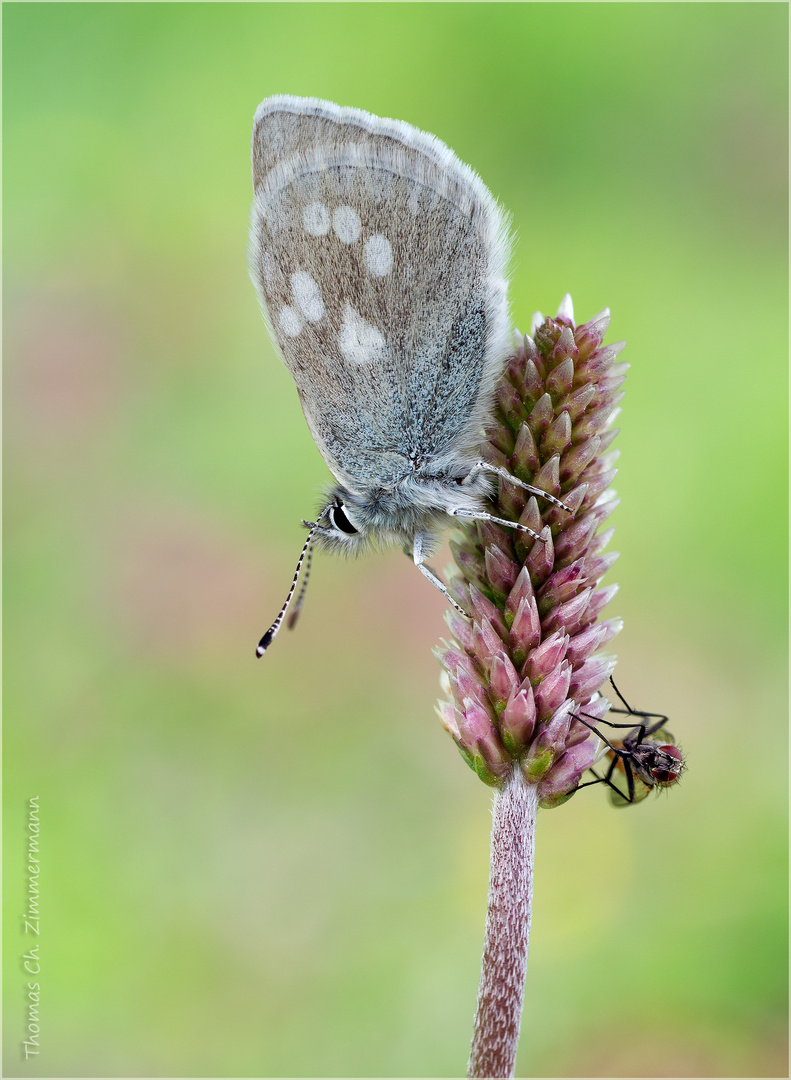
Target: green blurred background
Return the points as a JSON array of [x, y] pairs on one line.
[[280, 867]]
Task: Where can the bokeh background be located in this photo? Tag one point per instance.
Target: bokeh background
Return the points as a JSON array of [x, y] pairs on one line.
[[279, 868]]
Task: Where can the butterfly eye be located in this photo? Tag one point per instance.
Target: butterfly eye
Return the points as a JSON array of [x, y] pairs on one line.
[[340, 521]]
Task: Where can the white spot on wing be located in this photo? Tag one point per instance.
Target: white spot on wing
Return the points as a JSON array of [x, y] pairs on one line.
[[360, 342], [316, 219], [268, 269], [289, 321], [307, 296], [378, 255], [346, 223]]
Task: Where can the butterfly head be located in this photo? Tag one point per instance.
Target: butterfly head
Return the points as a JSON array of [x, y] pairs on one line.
[[343, 525]]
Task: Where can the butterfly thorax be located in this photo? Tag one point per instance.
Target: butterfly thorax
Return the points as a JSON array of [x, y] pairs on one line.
[[422, 501]]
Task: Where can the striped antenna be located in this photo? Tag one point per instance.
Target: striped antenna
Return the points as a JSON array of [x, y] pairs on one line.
[[292, 619], [271, 633]]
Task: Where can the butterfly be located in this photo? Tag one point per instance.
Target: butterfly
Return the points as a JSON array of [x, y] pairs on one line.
[[379, 259]]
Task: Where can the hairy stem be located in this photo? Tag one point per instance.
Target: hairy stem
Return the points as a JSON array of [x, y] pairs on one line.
[[501, 991]]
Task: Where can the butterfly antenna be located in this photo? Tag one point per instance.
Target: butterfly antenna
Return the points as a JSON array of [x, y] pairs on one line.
[[292, 619], [271, 633]]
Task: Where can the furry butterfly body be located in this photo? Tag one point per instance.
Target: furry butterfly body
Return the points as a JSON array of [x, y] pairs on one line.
[[379, 260]]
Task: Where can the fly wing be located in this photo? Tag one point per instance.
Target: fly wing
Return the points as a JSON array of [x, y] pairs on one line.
[[619, 781], [379, 259]]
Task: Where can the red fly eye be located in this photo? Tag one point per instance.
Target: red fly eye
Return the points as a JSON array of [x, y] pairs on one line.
[[668, 773], [672, 751], [663, 776]]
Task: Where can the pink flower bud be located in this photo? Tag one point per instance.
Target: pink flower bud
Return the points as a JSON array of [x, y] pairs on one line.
[[501, 572], [596, 566], [449, 716], [558, 437], [510, 499], [597, 485], [589, 336], [518, 719], [589, 678], [562, 586], [566, 311], [504, 681], [483, 608], [469, 564], [565, 350], [592, 423], [479, 736], [522, 590], [601, 540], [569, 615], [525, 460], [541, 557], [533, 386], [548, 476], [525, 630], [596, 366], [531, 516], [563, 778], [509, 404], [541, 416], [577, 401], [599, 600], [559, 518], [464, 680], [500, 438], [486, 643], [546, 657], [547, 745], [460, 627], [454, 659], [575, 540], [533, 355], [578, 458], [551, 692], [584, 644], [491, 535], [561, 379]]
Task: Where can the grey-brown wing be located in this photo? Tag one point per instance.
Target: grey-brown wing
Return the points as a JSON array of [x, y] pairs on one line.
[[379, 264]]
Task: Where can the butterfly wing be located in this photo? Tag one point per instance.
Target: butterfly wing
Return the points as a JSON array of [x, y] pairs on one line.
[[379, 259]]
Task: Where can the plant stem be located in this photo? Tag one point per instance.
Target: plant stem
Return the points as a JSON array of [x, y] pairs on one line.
[[501, 991]]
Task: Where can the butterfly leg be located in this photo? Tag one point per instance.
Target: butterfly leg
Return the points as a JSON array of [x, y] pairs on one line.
[[495, 470], [427, 572], [481, 515]]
